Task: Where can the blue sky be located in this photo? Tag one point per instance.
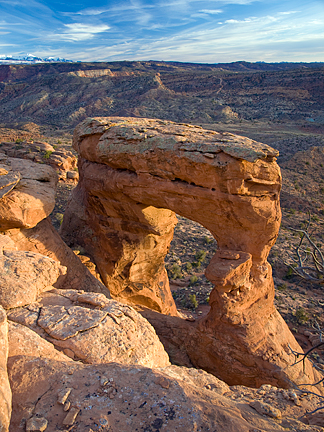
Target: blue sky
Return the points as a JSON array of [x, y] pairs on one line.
[[206, 31]]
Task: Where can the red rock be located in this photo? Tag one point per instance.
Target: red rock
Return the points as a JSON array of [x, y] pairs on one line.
[[44, 239], [132, 398], [134, 173], [24, 341], [32, 197], [24, 275], [95, 329]]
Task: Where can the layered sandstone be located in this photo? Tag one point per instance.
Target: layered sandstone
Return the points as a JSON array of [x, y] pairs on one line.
[[62, 160], [134, 174]]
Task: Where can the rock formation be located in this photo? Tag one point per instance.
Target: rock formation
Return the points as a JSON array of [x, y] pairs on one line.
[[27, 197], [134, 174], [27, 192], [63, 161], [128, 383], [44, 239]]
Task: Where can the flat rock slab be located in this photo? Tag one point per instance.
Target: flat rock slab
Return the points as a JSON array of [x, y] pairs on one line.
[[130, 136], [111, 332], [8, 181], [63, 323]]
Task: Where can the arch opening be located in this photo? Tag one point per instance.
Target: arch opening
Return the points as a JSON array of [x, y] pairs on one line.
[[190, 252]]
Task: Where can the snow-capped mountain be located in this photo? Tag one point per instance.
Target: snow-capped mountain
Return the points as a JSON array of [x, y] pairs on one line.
[[30, 59]]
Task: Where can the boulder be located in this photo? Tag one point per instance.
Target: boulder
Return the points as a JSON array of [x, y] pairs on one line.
[[5, 391], [44, 239], [24, 275], [92, 328], [27, 195], [78, 397], [6, 243], [135, 174]]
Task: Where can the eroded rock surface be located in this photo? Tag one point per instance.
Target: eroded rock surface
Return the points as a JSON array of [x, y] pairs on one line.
[[27, 192], [62, 160], [92, 328], [134, 174], [24, 341], [5, 391], [127, 398], [24, 275], [44, 239]]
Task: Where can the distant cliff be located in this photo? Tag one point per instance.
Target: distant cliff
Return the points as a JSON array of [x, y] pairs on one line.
[[63, 94]]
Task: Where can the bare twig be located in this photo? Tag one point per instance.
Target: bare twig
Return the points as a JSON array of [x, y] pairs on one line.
[[309, 261]]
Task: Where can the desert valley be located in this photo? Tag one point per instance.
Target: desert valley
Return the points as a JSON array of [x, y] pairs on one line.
[[149, 271]]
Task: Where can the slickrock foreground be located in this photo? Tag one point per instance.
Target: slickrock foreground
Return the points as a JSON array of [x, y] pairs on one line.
[[24, 275], [128, 398], [134, 174]]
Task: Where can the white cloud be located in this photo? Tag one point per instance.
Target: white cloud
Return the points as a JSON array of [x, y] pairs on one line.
[[81, 32], [211, 11], [86, 28], [287, 13], [245, 21], [277, 37]]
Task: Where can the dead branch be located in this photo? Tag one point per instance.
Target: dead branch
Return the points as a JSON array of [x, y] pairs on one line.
[[308, 262]]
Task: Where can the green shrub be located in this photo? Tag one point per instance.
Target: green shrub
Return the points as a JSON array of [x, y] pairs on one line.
[[282, 287], [208, 240], [289, 273], [19, 140], [301, 315], [193, 301], [176, 272], [200, 255], [47, 154], [193, 280], [188, 267], [59, 218]]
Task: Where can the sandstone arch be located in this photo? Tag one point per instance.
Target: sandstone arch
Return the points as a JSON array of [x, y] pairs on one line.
[[134, 174]]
